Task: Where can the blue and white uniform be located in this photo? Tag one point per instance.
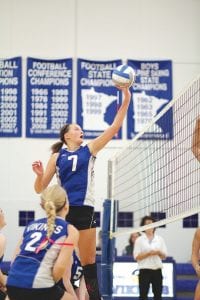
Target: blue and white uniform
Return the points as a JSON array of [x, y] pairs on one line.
[[77, 269], [75, 173], [34, 270], [76, 273]]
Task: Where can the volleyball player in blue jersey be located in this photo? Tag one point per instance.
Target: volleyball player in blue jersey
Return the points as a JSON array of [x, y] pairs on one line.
[[73, 280], [74, 166], [44, 252], [76, 271]]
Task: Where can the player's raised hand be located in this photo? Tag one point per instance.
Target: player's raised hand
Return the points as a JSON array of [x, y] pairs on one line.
[[125, 90], [37, 167]]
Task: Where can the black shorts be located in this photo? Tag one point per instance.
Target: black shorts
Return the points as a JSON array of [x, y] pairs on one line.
[[53, 293], [82, 217]]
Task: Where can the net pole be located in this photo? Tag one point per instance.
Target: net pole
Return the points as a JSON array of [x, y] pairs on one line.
[[111, 192]]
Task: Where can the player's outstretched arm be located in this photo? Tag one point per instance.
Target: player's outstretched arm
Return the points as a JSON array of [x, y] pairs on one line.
[[44, 177], [99, 142], [196, 140]]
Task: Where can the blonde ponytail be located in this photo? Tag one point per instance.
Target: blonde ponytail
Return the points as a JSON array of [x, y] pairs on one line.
[[51, 216], [53, 198]]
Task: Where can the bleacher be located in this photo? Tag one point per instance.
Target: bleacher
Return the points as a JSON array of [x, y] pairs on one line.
[[186, 281]]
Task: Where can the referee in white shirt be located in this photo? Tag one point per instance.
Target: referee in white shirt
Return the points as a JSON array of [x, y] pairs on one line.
[[149, 250]]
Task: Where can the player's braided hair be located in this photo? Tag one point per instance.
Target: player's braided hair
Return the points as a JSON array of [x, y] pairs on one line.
[[54, 198]]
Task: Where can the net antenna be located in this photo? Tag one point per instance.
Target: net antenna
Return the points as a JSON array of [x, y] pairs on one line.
[[159, 176]]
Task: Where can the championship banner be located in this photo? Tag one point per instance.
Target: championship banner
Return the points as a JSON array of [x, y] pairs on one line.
[[11, 97], [151, 91], [97, 98], [48, 97]]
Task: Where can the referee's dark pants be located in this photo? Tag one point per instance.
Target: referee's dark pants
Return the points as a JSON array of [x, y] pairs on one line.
[[147, 277]]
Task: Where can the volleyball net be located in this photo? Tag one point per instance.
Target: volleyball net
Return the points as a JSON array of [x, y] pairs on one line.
[[159, 177]]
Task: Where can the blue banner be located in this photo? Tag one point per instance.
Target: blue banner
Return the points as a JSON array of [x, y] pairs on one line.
[[11, 97], [151, 91], [48, 97], [97, 98]]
